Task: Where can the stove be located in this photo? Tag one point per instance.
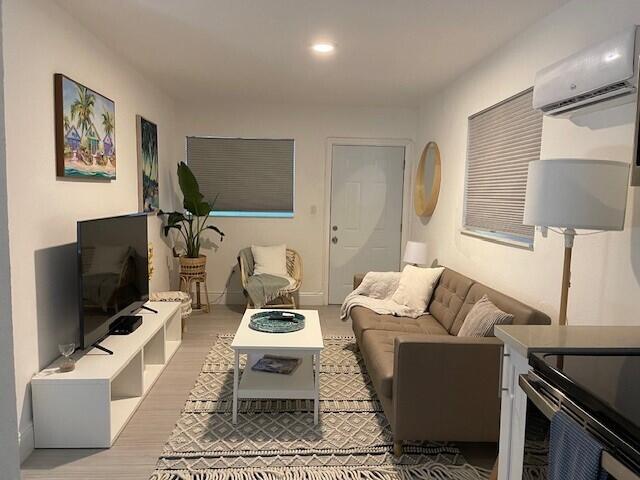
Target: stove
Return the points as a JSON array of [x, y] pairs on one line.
[[600, 391]]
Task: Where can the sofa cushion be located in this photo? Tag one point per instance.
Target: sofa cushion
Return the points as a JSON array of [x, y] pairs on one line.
[[378, 355], [430, 326], [389, 323], [449, 296], [364, 319], [522, 314]]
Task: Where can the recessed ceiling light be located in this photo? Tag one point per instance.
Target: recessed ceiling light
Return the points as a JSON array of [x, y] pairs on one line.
[[323, 47]]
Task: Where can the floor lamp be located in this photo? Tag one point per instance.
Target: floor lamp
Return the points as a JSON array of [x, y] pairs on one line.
[[572, 194]]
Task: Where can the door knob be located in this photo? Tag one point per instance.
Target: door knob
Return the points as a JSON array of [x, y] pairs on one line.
[[334, 240], [334, 228]]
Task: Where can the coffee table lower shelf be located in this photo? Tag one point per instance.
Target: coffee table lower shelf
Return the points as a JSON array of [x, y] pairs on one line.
[[302, 384], [298, 385]]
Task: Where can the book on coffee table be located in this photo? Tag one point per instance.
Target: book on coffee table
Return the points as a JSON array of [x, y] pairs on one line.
[[275, 364]]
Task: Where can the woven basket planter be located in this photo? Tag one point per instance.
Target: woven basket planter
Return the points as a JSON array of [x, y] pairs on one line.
[[194, 271], [193, 266]]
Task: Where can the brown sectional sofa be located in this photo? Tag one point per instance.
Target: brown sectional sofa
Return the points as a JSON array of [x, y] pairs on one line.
[[434, 385]]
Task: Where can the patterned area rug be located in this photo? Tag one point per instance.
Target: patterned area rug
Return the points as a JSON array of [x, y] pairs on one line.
[[277, 439]]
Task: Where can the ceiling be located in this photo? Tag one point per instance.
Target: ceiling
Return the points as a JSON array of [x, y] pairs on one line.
[[388, 52]]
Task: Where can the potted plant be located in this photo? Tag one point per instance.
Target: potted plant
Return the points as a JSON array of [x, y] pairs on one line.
[[191, 223]]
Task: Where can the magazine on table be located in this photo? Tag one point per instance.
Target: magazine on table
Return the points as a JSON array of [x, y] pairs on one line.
[[275, 364]]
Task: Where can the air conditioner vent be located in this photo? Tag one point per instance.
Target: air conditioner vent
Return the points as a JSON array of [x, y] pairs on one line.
[[608, 92]]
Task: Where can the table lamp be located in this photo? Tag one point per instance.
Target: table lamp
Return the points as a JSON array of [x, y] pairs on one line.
[[415, 253], [573, 194]]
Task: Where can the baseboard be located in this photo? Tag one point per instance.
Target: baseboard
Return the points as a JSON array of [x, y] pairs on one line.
[[26, 442], [227, 298], [238, 298], [312, 298]]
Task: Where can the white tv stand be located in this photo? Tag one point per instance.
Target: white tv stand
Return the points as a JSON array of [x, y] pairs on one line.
[[89, 407]]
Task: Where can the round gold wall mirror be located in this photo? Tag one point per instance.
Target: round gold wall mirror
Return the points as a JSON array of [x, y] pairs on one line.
[[427, 184]]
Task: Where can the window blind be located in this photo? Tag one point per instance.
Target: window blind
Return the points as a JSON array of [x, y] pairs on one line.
[[502, 141], [249, 176]]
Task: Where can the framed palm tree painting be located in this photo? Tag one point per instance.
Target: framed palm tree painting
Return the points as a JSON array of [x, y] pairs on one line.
[[85, 131], [149, 200]]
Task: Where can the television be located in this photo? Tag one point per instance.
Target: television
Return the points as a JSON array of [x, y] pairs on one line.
[[113, 275]]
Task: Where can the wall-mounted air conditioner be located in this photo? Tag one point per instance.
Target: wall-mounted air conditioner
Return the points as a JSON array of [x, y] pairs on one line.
[[606, 72]]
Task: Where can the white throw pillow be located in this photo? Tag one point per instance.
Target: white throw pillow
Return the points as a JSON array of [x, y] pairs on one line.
[[416, 286], [270, 259]]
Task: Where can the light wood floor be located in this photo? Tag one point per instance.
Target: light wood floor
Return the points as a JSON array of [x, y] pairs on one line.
[[136, 450]]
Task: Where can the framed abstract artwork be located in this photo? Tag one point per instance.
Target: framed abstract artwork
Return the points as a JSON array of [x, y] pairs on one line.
[[85, 125], [149, 200]]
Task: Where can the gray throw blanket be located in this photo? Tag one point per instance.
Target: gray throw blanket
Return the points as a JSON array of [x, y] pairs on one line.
[[262, 288]]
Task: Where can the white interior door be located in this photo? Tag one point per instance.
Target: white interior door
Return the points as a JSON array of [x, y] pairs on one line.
[[366, 213]]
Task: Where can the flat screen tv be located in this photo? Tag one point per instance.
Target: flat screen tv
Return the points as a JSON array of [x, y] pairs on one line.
[[112, 272]]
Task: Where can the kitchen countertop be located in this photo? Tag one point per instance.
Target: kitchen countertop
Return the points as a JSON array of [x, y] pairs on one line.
[[569, 339]]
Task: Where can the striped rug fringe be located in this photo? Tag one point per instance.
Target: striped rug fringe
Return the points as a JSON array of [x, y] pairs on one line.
[[259, 406], [430, 471]]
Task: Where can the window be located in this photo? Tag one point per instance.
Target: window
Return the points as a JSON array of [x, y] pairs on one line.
[[503, 139], [251, 177]]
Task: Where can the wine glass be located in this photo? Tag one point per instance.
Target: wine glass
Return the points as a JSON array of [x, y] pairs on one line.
[[67, 349]]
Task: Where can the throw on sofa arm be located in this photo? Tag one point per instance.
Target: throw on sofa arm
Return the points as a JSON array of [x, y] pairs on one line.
[[446, 388]]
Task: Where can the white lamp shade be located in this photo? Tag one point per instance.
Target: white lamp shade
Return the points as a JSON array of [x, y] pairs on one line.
[[575, 193], [415, 252]]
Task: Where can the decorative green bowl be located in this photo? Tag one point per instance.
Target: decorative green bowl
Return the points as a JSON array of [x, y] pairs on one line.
[[275, 321]]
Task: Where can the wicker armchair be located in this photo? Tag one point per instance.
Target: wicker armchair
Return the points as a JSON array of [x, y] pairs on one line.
[[294, 269]]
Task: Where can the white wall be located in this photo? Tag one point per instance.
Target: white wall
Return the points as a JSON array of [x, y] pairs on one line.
[[606, 267], [9, 456], [310, 126], [41, 39]]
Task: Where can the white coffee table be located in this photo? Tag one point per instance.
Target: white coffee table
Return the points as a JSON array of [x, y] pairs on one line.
[[303, 383]]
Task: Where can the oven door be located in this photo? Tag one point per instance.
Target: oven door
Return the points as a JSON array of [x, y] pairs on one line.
[[536, 437], [543, 401]]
